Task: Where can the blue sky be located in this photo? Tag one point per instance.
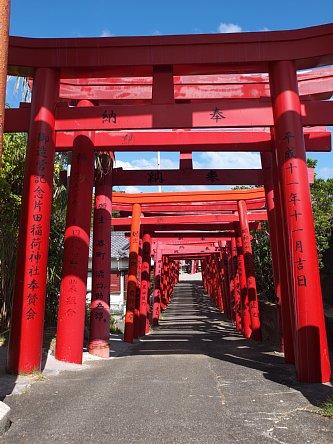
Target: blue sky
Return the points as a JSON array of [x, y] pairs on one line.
[[109, 18]]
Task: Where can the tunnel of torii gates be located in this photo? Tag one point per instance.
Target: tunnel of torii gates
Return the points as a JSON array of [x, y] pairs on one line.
[[252, 92]]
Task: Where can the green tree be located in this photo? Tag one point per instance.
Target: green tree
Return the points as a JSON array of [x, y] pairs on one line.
[[11, 188], [322, 206]]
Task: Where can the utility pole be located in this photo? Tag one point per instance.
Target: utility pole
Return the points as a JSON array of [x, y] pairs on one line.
[[159, 167], [4, 32]]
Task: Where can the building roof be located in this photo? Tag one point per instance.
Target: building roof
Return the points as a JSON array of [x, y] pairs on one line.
[[119, 245]]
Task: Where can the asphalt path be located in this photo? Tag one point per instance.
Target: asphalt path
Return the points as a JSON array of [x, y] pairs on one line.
[[193, 380]]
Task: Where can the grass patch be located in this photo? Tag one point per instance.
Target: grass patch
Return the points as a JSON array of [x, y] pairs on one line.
[[36, 375], [4, 338], [327, 408], [113, 326]]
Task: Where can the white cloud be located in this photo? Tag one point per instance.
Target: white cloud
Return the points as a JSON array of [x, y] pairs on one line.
[[131, 189], [146, 164], [106, 33], [228, 160], [169, 164], [189, 188], [229, 28]]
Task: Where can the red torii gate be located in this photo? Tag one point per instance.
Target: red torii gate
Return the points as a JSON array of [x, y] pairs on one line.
[[86, 128]]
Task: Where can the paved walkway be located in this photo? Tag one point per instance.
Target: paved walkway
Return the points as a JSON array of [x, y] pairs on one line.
[[194, 380]]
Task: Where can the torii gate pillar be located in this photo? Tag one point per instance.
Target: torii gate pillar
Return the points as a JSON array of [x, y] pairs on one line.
[[311, 351], [157, 288], [132, 274], [145, 284], [101, 262], [249, 270], [73, 288], [26, 335]]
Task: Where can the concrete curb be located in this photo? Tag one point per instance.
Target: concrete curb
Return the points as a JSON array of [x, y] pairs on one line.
[[4, 417]]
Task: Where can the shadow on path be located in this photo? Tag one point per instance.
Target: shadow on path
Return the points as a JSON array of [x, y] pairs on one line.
[[193, 325]]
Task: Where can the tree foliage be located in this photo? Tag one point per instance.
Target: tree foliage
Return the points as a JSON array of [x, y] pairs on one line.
[[322, 206], [11, 189]]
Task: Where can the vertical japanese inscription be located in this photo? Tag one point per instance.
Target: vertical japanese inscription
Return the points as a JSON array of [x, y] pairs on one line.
[[36, 225], [294, 208]]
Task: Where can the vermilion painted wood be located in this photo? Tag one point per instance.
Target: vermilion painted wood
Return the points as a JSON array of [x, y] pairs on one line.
[[101, 263], [311, 352], [157, 288], [138, 293], [245, 306], [249, 270], [17, 120], [237, 295], [285, 278], [274, 236], [26, 334], [132, 274], [190, 177], [192, 196], [231, 282], [175, 241], [108, 90], [73, 289], [234, 79], [145, 284], [228, 114], [187, 249], [190, 53], [191, 208], [183, 238], [226, 226], [201, 219]]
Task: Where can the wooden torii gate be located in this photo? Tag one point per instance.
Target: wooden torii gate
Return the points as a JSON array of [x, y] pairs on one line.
[[184, 99]]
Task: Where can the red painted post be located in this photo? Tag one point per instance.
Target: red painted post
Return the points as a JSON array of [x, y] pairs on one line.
[[145, 283], [311, 352], [157, 287], [288, 321], [266, 162], [249, 270], [246, 317], [237, 296], [132, 273], [26, 335], [231, 281], [101, 262], [73, 288], [163, 302], [138, 294], [227, 309], [220, 294]]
